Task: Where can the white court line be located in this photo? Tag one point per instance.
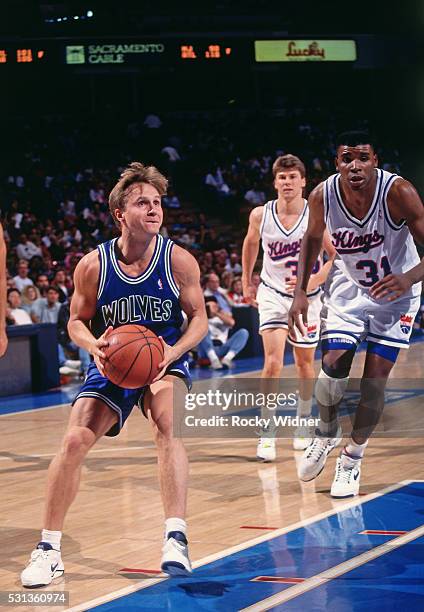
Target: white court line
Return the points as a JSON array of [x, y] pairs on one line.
[[113, 449], [244, 545], [334, 572]]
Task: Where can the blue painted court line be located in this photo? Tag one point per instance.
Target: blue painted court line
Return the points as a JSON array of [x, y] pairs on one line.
[[390, 582], [225, 584]]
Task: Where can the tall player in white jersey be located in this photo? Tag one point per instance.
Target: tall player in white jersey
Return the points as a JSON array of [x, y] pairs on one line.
[[280, 224], [372, 293]]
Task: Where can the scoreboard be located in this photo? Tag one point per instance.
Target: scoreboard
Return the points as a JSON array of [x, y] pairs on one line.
[[171, 52]]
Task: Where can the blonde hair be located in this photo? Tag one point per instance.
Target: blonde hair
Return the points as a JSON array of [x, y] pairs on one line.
[[136, 172]]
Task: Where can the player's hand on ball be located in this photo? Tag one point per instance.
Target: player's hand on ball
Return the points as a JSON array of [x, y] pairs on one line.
[[249, 294], [298, 315], [392, 285], [98, 354], [169, 355]]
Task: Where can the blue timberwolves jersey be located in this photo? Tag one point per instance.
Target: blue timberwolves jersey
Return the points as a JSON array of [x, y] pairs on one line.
[[151, 299]]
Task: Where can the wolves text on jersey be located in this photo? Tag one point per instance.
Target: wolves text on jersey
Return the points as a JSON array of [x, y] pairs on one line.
[[278, 250], [136, 308], [346, 241]]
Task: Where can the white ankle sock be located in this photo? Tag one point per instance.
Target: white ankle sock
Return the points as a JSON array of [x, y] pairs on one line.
[[52, 537], [175, 524], [304, 407], [354, 450], [230, 356], [212, 356]]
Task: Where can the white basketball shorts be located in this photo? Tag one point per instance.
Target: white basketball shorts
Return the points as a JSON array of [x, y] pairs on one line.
[[350, 314], [273, 314]]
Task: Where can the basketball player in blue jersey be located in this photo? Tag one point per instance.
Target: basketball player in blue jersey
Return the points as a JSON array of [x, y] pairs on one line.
[[280, 225], [3, 294], [372, 293], [139, 278]]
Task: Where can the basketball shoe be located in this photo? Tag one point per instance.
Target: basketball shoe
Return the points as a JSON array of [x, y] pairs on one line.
[[265, 450], [43, 567], [302, 438], [314, 458], [175, 559], [347, 477]]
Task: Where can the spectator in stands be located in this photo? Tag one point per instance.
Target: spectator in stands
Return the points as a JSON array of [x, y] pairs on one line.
[[255, 196], [15, 314], [235, 295], [226, 281], [233, 264], [26, 249], [22, 279], [217, 346], [47, 311], [42, 283], [62, 283], [171, 200], [30, 296], [69, 366]]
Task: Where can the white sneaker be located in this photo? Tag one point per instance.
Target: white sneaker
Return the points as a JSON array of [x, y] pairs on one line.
[[302, 438], [67, 371], [227, 362], [216, 364], [175, 559], [315, 456], [347, 477], [43, 567], [75, 364], [266, 449]]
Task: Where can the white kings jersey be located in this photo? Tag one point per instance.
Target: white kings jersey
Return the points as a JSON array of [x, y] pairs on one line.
[[374, 246], [282, 247]]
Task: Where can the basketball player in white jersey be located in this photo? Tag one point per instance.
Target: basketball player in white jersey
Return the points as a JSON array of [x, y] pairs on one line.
[[372, 293], [280, 224]]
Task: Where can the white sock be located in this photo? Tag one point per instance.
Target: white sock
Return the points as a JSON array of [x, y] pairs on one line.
[[354, 450], [213, 357], [175, 524], [51, 537], [230, 355], [304, 407]]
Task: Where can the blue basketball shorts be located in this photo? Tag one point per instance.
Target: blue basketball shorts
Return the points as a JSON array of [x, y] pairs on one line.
[[120, 400]]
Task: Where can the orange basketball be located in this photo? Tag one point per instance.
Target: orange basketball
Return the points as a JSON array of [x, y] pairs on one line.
[[133, 356]]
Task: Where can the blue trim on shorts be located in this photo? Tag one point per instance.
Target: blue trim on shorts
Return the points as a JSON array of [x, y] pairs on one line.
[[382, 350], [334, 344], [120, 400], [388, 338], [341, 331]]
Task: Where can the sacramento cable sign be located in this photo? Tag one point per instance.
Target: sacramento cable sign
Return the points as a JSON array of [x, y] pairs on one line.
[[110, 53]]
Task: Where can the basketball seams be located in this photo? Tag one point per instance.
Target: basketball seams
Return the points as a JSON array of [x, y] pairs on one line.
[[148, 339]]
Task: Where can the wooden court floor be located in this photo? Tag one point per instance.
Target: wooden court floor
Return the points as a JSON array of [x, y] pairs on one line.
[[116, 520]]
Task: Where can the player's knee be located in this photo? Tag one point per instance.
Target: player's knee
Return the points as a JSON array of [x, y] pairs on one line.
[[77, 443], [329, 389], [272, 366], [163, 428]]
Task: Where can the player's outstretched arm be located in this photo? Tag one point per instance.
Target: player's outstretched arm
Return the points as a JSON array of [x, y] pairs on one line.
[[404, 203], [250, 254], [83, 308], [187, 276], [3, 294], [309, 251]]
